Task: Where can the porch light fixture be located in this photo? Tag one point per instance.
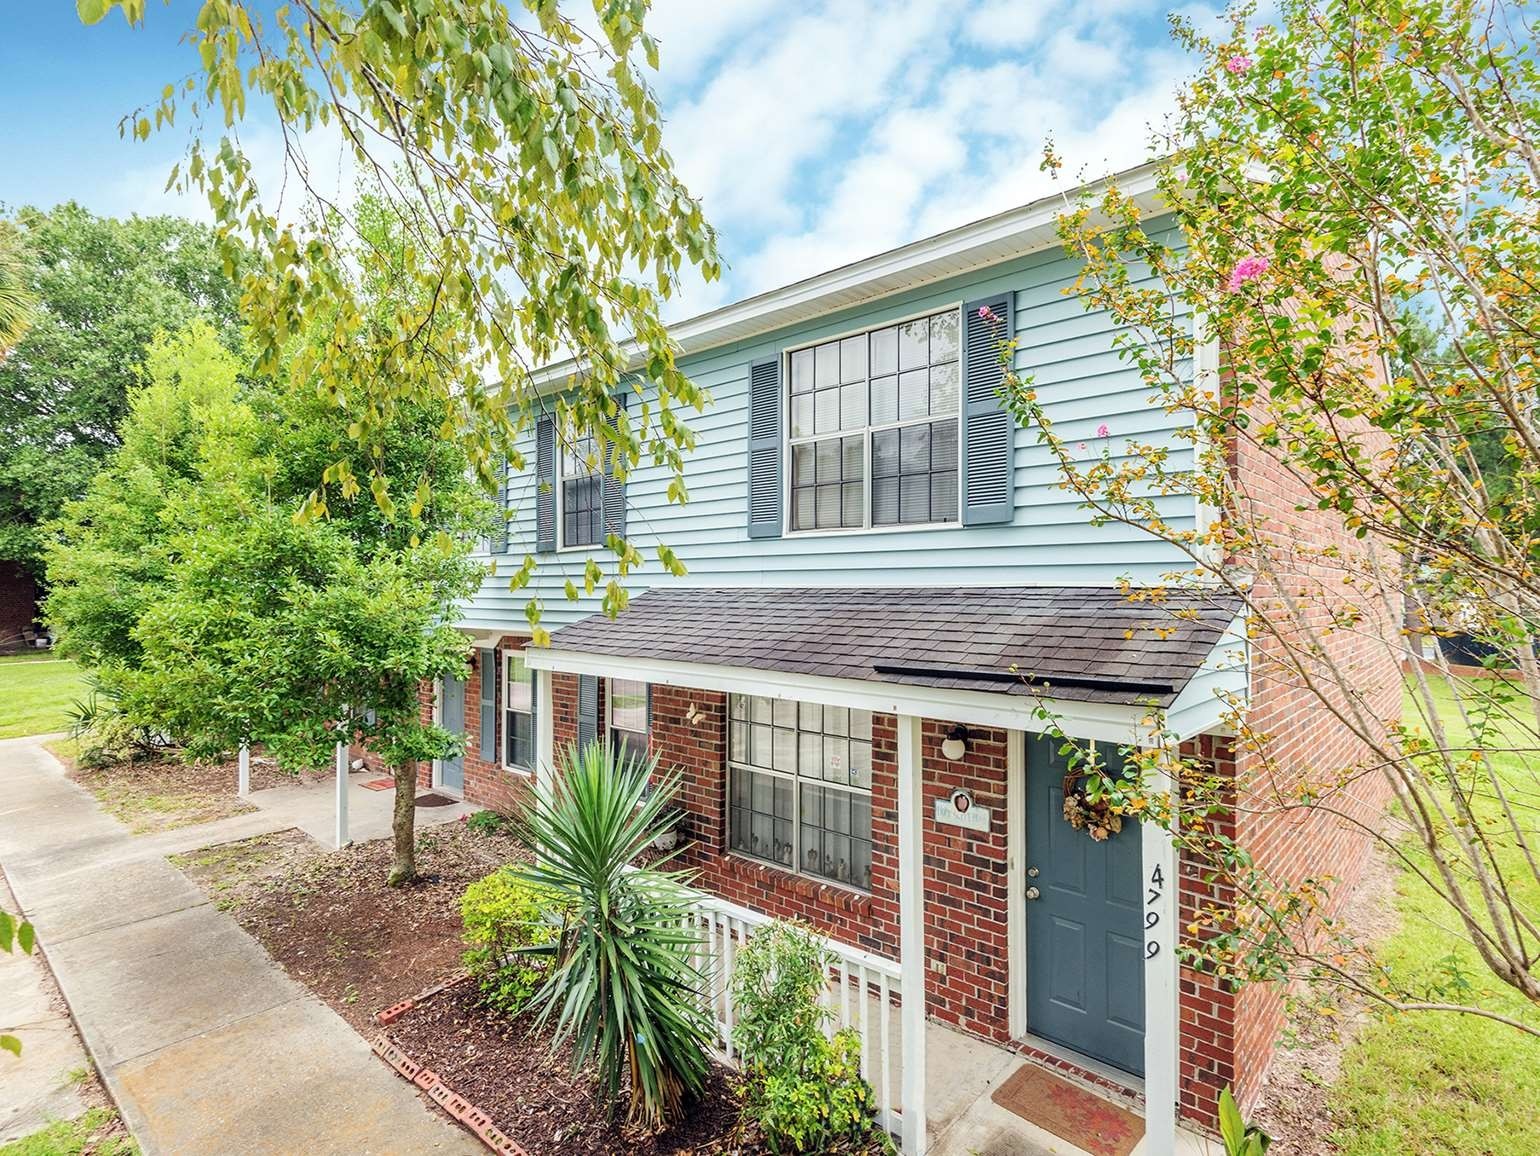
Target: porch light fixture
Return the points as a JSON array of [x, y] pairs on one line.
[[955, 745]]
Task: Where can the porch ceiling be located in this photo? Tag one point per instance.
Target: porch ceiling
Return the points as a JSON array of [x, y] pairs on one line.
[[987, 655]]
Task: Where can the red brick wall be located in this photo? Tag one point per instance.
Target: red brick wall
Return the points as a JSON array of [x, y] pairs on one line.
[[18, 607]]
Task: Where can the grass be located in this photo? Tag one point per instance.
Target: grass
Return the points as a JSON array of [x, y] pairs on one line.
[[37, 693], [77, 1137], [1424, 1083]]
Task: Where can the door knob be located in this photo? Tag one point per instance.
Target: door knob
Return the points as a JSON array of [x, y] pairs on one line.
[[1033, 892]]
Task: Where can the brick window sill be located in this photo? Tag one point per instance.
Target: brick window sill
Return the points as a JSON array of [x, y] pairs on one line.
[[835, 895]]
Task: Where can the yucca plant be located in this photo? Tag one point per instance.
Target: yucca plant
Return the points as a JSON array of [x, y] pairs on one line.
[[624, 989]]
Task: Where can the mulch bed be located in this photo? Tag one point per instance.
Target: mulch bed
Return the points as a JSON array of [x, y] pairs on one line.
[[508, 1069], [329, 920], [162, 793]]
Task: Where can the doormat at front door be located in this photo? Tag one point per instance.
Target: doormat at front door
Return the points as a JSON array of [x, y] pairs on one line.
[[1069, 1112], [379, 784]]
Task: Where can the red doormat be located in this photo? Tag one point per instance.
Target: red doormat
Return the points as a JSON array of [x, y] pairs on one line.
[[1069, 1112], [379, 784]]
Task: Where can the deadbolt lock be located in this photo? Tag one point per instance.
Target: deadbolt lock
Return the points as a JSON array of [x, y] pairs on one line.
[[1031, 872]]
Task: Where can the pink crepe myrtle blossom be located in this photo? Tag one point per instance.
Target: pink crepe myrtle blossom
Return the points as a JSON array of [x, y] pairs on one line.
[[1102, 431], [987, 314], [1238, 64], [1248, 269]]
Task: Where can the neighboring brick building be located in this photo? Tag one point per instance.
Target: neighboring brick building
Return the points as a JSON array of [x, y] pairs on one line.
[[887, 592]]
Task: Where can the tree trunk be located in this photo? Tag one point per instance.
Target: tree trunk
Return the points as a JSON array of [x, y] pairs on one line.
[[403, 864]]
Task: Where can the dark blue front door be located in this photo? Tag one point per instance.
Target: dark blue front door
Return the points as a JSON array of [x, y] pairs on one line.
[[1085, 962], [451, 772]]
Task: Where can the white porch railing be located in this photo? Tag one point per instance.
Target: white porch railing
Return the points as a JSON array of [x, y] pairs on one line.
[[861, 993]]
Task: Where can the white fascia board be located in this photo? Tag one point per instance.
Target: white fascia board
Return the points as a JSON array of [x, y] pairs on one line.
[[1014, 233], [1104, 722]]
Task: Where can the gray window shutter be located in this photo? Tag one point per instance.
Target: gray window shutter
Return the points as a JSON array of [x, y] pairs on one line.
[[488, 705], [588, 709], [534, 717], [545, 485], [500, 527], [988, 430], [765, 449], [614, 489]]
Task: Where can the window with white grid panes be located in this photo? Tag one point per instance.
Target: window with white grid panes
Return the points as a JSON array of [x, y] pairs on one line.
[[800, 787], [873, 426], [582, 494]]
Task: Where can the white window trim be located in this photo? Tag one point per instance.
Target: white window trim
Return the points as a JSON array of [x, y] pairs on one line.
[[787, 441], [796, 812], [609, 702], [561, 506], [504, 709]]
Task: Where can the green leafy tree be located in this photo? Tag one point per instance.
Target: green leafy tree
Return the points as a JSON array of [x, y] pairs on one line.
[[103, 290], [543, 218], [624, 990], [16, 934], [1353, 190]]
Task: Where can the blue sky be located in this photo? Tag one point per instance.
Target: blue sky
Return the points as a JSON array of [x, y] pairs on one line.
[[815, 133]]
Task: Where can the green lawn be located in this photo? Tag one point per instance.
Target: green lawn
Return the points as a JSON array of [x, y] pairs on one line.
[[87, 1133], [36, 694], [1425, 1083]]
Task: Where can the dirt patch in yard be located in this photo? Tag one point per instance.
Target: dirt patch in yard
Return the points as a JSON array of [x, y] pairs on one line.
[[329, 919], [1294, 1106], [149, 795], [508, 1069]]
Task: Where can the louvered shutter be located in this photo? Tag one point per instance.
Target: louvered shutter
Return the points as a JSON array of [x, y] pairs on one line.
[[614, 489], [588, 709], [488, 705], [988, 431], [534, 716], [765, 449], [545, 485], [500, 527]]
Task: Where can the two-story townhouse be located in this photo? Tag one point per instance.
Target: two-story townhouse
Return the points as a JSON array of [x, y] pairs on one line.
[[886, 586]]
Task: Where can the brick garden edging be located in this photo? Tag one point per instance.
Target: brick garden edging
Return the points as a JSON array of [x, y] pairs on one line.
[[461, 1110]]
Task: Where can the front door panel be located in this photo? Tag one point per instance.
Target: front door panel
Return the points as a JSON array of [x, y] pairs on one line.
[[452, 771], [1085, 961]]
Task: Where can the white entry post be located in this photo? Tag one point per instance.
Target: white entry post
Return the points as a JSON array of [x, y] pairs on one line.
[[244, 782], [1162, 1022], [911, 930], [342, 795], [545, 727]]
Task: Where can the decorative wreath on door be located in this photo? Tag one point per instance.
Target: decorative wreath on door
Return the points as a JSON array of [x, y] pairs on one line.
[[1099, 819]]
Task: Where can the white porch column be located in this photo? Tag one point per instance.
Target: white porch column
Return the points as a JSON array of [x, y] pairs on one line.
[[244, 781], [545, 728], [1162, 1023], [342, 796], [911, 929]]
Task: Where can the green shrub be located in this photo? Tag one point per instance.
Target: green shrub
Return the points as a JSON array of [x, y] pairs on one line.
[[1240, 1138], [488, 823], [803, 1089], [503, 916]]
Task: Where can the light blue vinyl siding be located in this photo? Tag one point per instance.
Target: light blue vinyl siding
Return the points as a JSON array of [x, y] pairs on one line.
[[1080, 379]]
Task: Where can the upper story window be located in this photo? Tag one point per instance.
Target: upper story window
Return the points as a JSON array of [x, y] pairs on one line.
[[874, 427], [628, 717], [582, 494], [800, 787], [518, 713]]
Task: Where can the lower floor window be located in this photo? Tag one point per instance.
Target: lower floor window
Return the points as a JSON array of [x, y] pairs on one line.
[[518, 714], [629, 718], [800, 787]]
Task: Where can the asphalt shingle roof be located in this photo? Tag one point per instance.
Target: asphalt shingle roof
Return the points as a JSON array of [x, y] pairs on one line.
[[1080, 643]]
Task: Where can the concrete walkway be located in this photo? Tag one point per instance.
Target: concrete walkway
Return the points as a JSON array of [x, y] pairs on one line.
[[205, 1044]]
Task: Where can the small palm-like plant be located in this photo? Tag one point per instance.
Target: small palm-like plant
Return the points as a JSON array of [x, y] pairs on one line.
[[624, 989]]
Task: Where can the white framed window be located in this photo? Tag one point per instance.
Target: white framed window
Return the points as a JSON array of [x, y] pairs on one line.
[[518, 713], [580, 497], [630, 721], [874, 420], [800, 787]]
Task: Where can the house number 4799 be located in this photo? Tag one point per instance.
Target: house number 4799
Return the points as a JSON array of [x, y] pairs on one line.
[[1157, 889]]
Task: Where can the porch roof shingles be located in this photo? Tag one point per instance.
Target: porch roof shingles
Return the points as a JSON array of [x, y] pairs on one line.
[[1078, 643]]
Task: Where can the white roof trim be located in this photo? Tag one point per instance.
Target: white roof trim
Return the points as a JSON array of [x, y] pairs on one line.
[[1104, 722], [1013, 233]]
